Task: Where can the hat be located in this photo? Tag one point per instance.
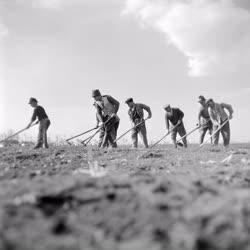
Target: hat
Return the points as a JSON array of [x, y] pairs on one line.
[[32, 99], [166, 106], [210, 101], [129, 100], [96, 92], [202, 98]]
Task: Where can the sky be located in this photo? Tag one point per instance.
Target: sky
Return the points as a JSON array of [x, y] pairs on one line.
[[156, 51]]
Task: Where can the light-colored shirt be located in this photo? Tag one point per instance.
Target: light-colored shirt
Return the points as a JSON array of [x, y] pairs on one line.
[[203, 116], [218, 114]]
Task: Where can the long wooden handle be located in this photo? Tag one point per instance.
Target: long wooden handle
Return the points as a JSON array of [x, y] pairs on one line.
[[186, 135], [130, 130], [83, 133], [17, 133], [164, 136], [216, 131]]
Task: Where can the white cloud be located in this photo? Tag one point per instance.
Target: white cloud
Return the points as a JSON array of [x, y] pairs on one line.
[[213, 34], [55, 4], [47, 4]]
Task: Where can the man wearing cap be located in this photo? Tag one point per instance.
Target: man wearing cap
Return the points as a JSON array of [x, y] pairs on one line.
[[43, 120], [218, 116], [136, 115], [106, 112], [204, 122], [175, 117]]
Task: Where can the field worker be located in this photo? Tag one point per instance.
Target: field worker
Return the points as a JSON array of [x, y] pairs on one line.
[[204, 121], [218, 116], [136, 116], [43, 120], [106, 111], [175, 116]]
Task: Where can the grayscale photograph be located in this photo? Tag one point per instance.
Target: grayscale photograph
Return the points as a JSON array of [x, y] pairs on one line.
[[123, 124]]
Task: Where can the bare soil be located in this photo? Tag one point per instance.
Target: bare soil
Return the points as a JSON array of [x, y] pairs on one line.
[[73, 198]]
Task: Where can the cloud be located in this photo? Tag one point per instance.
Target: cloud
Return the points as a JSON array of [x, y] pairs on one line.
[[214, 35], [56, 4], [47, 4]]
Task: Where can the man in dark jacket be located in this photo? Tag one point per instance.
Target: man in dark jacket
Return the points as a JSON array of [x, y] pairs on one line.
[[106, 112], [43, 120], [136, 115], [175, 117]]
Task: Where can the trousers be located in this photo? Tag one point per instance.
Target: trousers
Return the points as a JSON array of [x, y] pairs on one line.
[[42, 133], [142, 131], [208, 126], [108, 134], [225, 132], [181, 131]]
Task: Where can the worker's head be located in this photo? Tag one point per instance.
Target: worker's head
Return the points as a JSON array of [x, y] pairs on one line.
[[130, 102], [33, 102], [202, 100], [210, 103], [167, 108], [96, 94]]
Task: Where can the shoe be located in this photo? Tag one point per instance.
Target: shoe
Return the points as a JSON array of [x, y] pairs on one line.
[[37, 146]]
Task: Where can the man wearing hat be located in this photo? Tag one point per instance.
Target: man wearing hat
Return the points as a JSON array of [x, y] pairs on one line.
[[136, 115], [43, 120], [204, 121], [218, 116], [175, 117], [106, 112]]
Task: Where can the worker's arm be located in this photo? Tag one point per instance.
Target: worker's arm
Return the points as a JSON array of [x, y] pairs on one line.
[[181, 115], [147, 108], [229, 108], [212, 117], [114, 102], [33, 118], [199, 117], [167, 122], [99, 116], [97, 121]]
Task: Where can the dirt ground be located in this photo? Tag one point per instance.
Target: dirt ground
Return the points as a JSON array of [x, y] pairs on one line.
[[72, 198]]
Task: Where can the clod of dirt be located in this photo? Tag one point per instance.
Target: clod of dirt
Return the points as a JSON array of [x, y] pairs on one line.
[[59, 152], [216, 150], [161, 189], [50, 204], [23, 157], [240, 152], [36, 173], [111, 196], [160, 234], [151, 155], [60, 226]]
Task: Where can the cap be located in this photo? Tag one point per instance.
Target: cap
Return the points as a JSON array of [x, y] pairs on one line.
[[202, 98], [129, 100], [210, 100], [96, 92], [32, 99], [166, 106]]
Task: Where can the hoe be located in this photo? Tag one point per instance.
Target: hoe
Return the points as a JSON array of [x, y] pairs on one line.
[[216, 131], [17, 133]]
